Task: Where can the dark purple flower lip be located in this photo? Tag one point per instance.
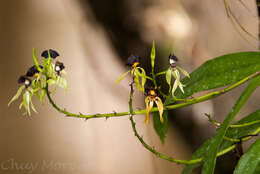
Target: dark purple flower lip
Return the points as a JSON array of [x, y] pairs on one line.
[[24, 80], [53, 53], [133, 60], [32, 71]]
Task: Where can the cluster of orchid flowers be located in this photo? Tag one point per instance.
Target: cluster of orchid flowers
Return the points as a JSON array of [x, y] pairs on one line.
[[151, 93], [37, 77]]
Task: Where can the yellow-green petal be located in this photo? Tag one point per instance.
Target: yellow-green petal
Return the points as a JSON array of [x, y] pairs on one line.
[[121, 77], [159, 104]]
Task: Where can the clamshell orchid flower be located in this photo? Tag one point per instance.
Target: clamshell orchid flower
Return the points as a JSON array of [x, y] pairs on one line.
[[137, 73], [150, 99], [174, 71]]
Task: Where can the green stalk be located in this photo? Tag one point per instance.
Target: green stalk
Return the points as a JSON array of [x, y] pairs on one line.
[[154, 109]]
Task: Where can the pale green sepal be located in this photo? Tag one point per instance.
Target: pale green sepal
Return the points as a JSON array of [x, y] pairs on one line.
[[121, 77], [183, 71], [168, 75], [17, 95]]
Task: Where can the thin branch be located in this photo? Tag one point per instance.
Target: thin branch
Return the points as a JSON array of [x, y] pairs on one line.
[[160, 155], [142, 111], [232, 125], [193, 161]]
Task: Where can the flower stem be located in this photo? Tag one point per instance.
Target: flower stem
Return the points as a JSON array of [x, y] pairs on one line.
[[217, 124], [193, 161], [154, 109]]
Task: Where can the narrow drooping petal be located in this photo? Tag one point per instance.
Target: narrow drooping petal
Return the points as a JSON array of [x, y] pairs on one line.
[[177, 74], [184, 72], [175, 85], [159, 104], [121, 77], [168, 76], [149, 106], [181, 87]]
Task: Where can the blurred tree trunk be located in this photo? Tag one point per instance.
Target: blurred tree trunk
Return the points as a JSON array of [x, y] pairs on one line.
[[75, 146]]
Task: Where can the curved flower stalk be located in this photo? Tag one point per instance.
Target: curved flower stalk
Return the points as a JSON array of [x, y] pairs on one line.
[[34, 81], [137, 73], [150, 99], [173, 70]]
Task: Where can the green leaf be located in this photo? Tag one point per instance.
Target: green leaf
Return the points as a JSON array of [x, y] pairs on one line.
[[153, 56], [211, 155], [219, 72], [231, 132], [121, 77], [160, 128], [17, 95], [249, 162]]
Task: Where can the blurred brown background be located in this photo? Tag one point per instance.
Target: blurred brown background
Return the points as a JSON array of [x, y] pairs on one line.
[[94, 38]]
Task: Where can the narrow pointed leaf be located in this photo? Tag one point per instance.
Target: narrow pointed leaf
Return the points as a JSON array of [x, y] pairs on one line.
[[249, 162], [242, 131], [231, 132], [210, 157]]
